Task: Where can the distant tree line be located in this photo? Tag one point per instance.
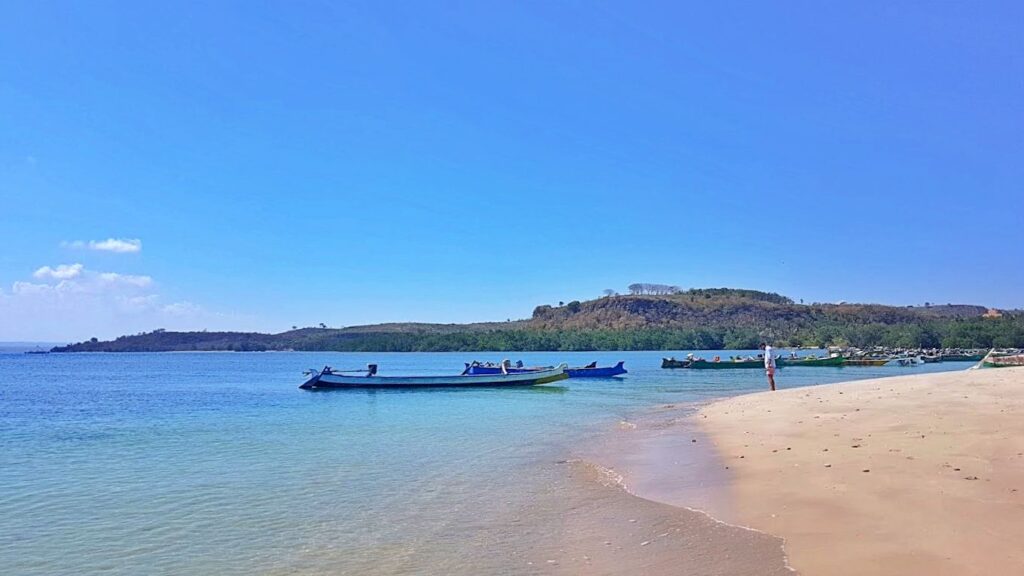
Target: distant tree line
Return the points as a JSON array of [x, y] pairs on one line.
[[1004, 332], [654, 289], [736, 293], [974, 333]]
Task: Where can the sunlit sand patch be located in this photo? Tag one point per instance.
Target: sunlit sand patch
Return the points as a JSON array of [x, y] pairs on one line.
[[914, 477]]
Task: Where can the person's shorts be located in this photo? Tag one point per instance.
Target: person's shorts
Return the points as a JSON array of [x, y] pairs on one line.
[[770, 371]]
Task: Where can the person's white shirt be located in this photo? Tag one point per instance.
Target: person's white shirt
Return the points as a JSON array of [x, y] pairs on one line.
[[769, 359]]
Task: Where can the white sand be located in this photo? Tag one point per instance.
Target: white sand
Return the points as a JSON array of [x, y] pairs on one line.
[[909, 475]]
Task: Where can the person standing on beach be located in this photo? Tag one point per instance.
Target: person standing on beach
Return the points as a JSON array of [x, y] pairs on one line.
[[769, 364]]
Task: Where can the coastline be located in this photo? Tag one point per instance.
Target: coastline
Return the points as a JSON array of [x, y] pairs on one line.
[[464, 482], [644, 490], [919, 474], [604, 529]]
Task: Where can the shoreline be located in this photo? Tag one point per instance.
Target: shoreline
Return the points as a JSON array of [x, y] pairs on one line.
[[650, 470], [919, 474], [605, 529]]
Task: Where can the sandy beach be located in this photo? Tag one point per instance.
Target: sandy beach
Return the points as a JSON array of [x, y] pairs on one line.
[[905, 475], [587, 524]]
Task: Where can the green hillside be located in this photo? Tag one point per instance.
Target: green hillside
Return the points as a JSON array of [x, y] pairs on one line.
[[668, 319]]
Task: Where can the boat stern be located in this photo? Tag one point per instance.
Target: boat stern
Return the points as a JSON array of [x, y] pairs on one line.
[[314, 378], [561, 372]]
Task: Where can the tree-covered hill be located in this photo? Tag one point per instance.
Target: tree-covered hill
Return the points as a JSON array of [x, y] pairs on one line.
[[653, 317]]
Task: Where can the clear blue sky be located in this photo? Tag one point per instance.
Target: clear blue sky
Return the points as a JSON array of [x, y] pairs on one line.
[[302, 162]]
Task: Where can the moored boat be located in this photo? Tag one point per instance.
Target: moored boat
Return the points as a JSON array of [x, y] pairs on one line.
[[962, 357], [330, 378], [1002, 361], [673, 363], [591, 370], [702, 364], [866, 361], [810, 361]]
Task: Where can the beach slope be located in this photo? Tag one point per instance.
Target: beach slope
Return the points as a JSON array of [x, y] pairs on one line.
[[906, 475]]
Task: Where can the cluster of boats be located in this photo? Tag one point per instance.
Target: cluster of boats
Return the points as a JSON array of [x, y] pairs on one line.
[[591, 370], [717, 362], [476, 374], [853, 357], [479, 374], [881, 356], [995, 358]]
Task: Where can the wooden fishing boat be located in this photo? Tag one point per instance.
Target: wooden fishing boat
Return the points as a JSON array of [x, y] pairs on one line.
[[330, 378], [810, 361], [1009, 361], [673, 363], [702, 364], [714, 364], [962, 357], [866, 361], [591, 370]]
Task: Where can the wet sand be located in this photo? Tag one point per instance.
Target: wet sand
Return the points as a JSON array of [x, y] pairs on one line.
[[607, 527], [607, 531], [914, 475]]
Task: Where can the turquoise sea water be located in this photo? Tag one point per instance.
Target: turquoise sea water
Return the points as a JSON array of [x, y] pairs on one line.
[[215, 463]]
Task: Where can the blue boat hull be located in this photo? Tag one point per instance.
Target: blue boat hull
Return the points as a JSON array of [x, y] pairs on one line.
[[596, 372]]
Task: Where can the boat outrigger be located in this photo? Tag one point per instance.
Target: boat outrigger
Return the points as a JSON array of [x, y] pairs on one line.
[[591, 370], [331, 378]]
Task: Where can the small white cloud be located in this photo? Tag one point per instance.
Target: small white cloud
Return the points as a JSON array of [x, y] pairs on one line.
[[129, 279], [30, 288], [138, 303], [183, 309], [119, 245], [61, 272]]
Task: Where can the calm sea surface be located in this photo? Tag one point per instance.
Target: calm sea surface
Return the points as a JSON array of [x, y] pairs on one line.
[[215, 463]]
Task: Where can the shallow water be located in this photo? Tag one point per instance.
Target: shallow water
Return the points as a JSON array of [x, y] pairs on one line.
[[217, 463]]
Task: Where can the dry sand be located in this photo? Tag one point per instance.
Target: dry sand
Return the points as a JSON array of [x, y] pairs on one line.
[[912, 475]]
